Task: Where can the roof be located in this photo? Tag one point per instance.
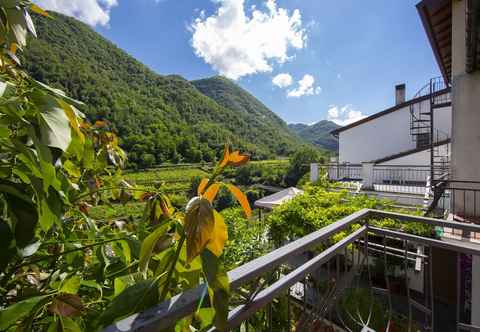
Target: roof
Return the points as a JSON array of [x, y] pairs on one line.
[[279, 198], [436, 16], [409, 152], [388, 111]]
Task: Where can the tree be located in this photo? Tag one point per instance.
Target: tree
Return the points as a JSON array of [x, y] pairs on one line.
[[300, 164], [148, 160]]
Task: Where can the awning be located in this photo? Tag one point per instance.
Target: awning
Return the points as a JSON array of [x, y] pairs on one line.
[[269, 202]]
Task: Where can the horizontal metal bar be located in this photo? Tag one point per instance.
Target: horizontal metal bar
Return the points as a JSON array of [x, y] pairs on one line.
[[462, 189], [400, 251], [243, 312], [268, 262], [390, 253], [381, 291], [462, 181], [456, 246], [470, 328], [404, 166], [160, 316], [425, 220]]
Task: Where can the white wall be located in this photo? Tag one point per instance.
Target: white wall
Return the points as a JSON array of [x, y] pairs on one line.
[[421, 158], [384, 136]]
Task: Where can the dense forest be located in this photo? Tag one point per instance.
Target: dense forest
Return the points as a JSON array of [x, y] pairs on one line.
[[318, 134], [158, 118]]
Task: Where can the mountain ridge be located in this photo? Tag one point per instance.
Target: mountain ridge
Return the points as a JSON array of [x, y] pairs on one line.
[[318, 134], [158, 118]]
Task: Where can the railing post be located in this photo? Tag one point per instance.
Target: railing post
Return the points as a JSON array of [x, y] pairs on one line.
[[313, 172], [475, 290], [367, 175]]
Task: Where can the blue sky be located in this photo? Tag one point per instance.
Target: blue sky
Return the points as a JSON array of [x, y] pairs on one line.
[[338, 59]]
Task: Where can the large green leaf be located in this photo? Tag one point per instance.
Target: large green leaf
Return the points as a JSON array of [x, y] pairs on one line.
[[55, 125], [69, 325], [71, 285], [149, 244], [138, 297], [25, 218], [47, 215], [18, 311], [123, 282], [18, 24]]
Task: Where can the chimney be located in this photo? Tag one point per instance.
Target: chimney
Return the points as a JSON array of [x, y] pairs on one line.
[[399, 93]]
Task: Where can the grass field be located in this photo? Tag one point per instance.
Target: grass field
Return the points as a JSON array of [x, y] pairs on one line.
[[175, 180], [167, 175]]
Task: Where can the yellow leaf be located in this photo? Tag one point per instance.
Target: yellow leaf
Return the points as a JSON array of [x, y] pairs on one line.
[[212, 192], [219, 236], [226, 157], [241, 198], [13, 48], [166, 206], [201, 186], [100, 124], [237, 159], [199, 226], [34, 8]]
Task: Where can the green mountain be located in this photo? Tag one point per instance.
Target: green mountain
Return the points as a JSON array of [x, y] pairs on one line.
[[158, 118], [318, 134], [275, 131]]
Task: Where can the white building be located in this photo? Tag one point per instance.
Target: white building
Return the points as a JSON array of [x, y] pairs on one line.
[[392, 137]]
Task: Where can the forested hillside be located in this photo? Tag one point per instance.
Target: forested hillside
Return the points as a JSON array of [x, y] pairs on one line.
[[158, 118], [274, 131], [318, 134]]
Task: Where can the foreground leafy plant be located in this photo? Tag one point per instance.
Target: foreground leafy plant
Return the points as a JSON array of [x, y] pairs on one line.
[[61, 269]]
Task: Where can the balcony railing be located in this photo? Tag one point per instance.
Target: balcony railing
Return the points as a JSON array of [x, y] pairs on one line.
[[309, 284], [408, 179], [343, 172], [401, 179]]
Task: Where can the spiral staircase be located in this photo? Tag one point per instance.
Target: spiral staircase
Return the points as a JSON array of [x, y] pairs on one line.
[[425, 134]]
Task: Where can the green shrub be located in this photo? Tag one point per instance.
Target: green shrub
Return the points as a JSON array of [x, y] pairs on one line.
[[246, 239], [317, 208], [300, 164]]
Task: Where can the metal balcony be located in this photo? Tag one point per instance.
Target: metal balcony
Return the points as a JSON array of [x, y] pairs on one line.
[[310, 278]]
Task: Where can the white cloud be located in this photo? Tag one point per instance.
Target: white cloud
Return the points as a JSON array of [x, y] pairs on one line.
[[282, 80], [236, 44], [306, 87], [344, 115], [92, 12]]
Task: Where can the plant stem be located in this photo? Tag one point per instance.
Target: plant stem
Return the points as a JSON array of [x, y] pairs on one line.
[[182, 241], [68, 252], [172, 267], [109, 188]]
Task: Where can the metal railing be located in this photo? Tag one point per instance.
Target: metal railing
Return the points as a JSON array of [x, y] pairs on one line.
[[401, 179], [297, 287], [461, 199], [343, 172]]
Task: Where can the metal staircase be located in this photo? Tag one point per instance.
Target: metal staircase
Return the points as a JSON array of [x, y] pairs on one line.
[[423, 131]]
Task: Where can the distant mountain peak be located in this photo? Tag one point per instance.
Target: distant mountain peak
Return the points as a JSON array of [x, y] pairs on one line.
[[318, 133]]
